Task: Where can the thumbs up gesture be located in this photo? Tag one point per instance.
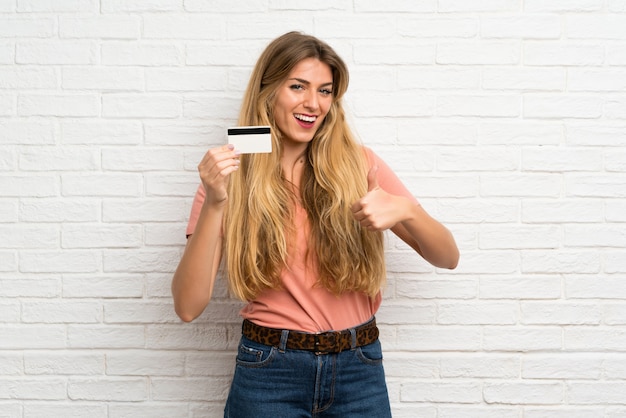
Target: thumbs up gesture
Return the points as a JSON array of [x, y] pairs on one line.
[[377, 210]]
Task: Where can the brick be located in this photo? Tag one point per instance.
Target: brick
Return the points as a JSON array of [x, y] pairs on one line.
[[132, 53], [453, 338], [595, 236], [32, 389], [58, 210], [117, 6], [472, 367], [527, 79], [219, 54], [562, 6], [29, 132], [478, 211], [562, 211], [615, 108], [563, 366], [483, 313], [614, 161], [207, 363], [189, 79], [110, 286], [189, 389], [500, 159], [83, 184], [72, 105], [27, 286], [461, 392], [597, 185], [559, 261], [104, 27], [144, 210], [594, 393], [401, 104], [551, 53], [435, 289], [540, 106], [462, 52], [615, 211], [141, 261], [164, 234], [67, 410], [10, 312], [616, 54], [404, 313], [108, 389], [524, 287], [524, 393], [144, 363], [105, 336], [118, 312], [609, 80], [581, 286], [7, 105], [77, 261], [12, 364], [478, 105], [7, 52], [181, 26], [27, 236], [529, 185], [212, 107], [141, 159], [56, 52], [533, 26], [526, 339], [140, 106], [59, 159], [597, 26], [186, 337], [52, 6], [474, 411], [435, 27], [101, 236], [8, 159], [8, 210], [28, 186], [63, 363], [614, 262], [549, 313], [184, 134], [103, 78], [27, 78], [383, 53], [111, 132], [30, 337], [478, 6], [553, 159], [36, 27], [431, 78]]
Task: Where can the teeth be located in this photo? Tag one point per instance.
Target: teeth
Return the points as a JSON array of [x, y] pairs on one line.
[[305, 118]]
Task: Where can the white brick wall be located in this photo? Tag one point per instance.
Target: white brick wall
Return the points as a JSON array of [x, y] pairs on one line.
[[506, 118]]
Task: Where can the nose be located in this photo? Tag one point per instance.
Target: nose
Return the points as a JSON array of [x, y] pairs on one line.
[[311, 101]]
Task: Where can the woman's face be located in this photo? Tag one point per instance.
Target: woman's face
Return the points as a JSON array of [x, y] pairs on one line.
[[303, 101]]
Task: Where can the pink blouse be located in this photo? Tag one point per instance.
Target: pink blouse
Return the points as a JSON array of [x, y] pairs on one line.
[[299, 304]]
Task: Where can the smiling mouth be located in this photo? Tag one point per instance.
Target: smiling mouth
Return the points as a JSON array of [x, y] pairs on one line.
[[305, 118]]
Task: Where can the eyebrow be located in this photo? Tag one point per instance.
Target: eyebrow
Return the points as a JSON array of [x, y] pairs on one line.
[[308, 83]]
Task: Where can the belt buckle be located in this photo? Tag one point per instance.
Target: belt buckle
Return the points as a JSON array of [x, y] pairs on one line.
[[330, 336]]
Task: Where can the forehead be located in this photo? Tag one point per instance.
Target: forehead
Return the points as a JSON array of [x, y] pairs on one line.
[[312, 70]]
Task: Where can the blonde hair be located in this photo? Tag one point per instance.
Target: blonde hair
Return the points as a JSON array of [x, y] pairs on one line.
[[259, 219]]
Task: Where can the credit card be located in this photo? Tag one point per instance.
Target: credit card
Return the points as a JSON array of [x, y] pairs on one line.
[[250, 139]]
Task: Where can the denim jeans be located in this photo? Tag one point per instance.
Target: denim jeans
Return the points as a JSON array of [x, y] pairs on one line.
[[271, 382]]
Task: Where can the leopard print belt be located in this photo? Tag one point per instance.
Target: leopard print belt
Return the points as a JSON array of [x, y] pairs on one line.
[[323, 342]]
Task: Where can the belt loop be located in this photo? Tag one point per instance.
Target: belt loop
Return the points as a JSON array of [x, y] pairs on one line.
[[353, 335], [282, 346]]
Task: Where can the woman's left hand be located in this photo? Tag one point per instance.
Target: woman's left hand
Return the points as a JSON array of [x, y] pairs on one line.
[[377, 210]]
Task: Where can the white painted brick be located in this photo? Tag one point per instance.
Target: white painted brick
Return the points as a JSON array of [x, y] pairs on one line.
[[62, 6], [478, 6], [101, 336], [8, 159], [526, 133], [56, 52], [615, 161], [383, 53], [16, 337], [603, 185], [559, 261], [30, 132], [101, 236], [184, 134], [563, 412], [613, 366], [8, 210], [528, 79], [533, 26], [144, 210], [131, 53], [433, 391], [103, 184], [186, 337], [111, 132], [464, 52], [615, 211], [63, 363], [516, 339], [10, 312], [546, 313], [616, 54], [35, 27], [553, 159], [541, 106], [35, 389], [35, 236], [141, 261], [164, 234], [365, 26], [435, 133], [189, 389], [435, 289], [154, 409], [438, 78], [206, 363], [27, 78], [617, 5], [26, 286], [614, 314], [453, 338], [139, 312], [593, 393], [478, 211], [405, 104], [529, 185], [7, 105], [472, 366], [143, 363], [609, 235], [102, 78], [104, 27], [90, 286], [210, 54], [523, 393], [67, 410], [58, 210], [615, 262], [413, 160], [501, 237], [499, 262], [478, 105], [562, 366], [500, 159], [191, 79], [212, 108], [59, 159], [265, 27], [562, 5], [436, 27], [140, 106], [108, 389], [597, 26], [403, 313], [141, 159], [562, 211], [116, 6], [7, 52], [472, 411], [591, 287], [11, 364], [472, 313], [563, 54], [76, 261], [615, 108], [525, 287], [62, 105], [182, 26], [591, 338], [608, 80], [8, 261]]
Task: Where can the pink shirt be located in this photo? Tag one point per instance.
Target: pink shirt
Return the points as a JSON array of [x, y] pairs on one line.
[[300, 305]]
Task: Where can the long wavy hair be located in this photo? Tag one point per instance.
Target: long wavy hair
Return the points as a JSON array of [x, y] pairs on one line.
[[259, 219]]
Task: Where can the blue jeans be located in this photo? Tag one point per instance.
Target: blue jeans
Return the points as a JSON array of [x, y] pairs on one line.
[[272, 382]]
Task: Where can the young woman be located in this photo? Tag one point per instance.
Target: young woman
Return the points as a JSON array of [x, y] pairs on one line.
[[301, 233]]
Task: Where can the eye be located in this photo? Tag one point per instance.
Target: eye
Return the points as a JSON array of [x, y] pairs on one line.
[[296, 87], [326, 92]]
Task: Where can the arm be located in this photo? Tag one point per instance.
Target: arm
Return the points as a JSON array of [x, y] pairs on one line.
[[379, 211], [193, 281]]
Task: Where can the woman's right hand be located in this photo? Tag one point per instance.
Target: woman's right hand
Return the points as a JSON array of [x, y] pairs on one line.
[[214, 169]]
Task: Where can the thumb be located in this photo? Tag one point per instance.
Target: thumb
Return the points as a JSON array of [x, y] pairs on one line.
[[372, 178]]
